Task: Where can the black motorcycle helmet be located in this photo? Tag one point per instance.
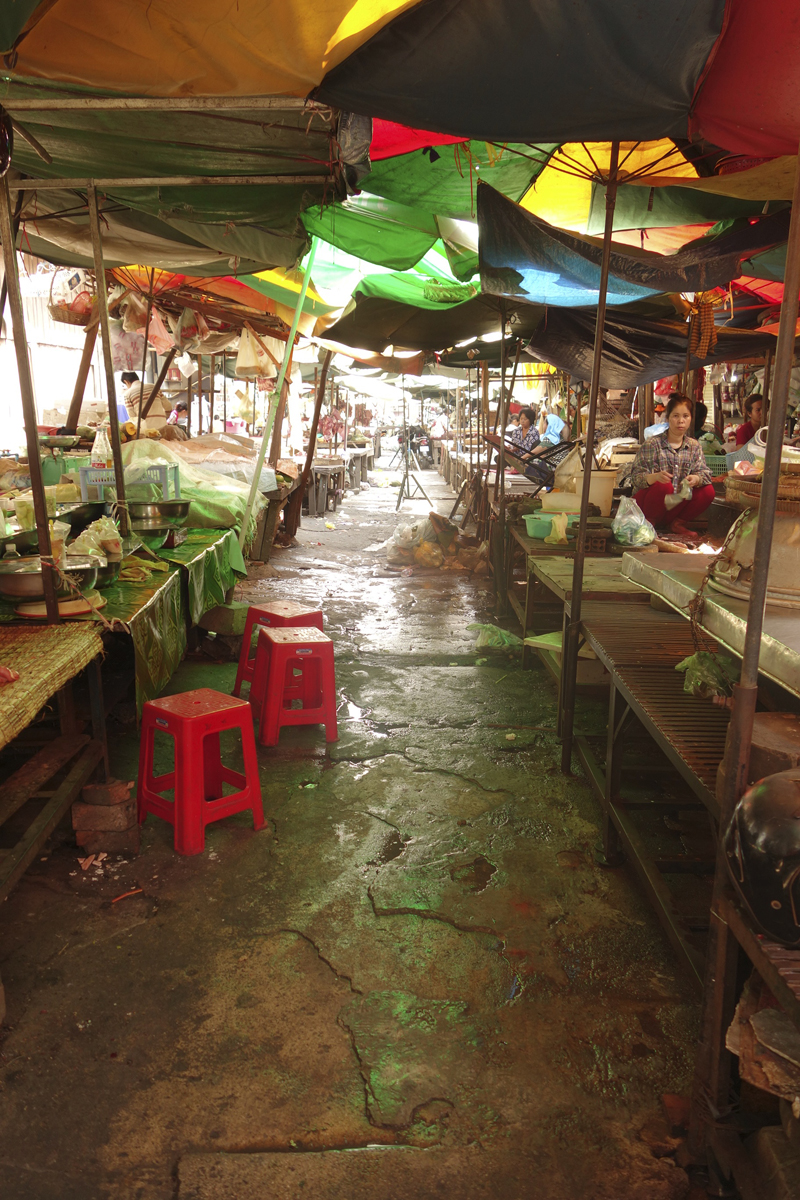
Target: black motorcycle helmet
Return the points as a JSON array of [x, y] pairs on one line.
[[762, 849]]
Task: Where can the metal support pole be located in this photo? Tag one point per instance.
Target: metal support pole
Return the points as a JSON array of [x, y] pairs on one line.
[[569, 668], [224, 392], [501, 592], [713, 1065], [49, 574], [199, 361], [189, 399], [102, 308], [113, 184], [211, 394], [765, 388], [278, 389], [737, 759], [18, 104]]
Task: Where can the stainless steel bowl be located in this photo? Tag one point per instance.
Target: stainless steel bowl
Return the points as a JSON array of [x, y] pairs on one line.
[[78, 516], [107, 575], [21, 578], [173, 510], [152, 525], [59, 441], [26, 540]]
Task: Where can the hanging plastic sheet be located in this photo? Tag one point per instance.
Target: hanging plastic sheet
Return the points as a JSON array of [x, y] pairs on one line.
[[521, 255], [636, 350]]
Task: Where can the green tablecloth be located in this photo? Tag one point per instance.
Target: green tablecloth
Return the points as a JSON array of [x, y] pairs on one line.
[[159, 612], [212, 563]]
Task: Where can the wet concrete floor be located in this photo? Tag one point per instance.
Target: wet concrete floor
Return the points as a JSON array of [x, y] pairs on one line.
[[416, 967]]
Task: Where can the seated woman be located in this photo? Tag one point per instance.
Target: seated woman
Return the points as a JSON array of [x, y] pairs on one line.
[[753, 408], [526, 444], [665, 463]]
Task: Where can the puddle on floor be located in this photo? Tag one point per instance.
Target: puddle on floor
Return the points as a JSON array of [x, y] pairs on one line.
[[393, 846], [474, 876]]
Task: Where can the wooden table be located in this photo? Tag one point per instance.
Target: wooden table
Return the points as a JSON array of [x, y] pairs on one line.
[[45, 766], [325, 487], [357, 458], [268, 521]]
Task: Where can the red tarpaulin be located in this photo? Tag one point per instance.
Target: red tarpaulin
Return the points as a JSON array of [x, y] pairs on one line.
[[748, 100], [389, 139]]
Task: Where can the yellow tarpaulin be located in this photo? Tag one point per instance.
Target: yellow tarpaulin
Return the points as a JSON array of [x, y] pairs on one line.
[[204, 48]]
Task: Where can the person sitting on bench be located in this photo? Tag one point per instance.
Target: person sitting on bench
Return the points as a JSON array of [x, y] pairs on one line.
[[526, 444]]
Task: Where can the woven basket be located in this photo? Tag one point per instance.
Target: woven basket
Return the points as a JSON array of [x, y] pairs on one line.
[[788, 487], [74, 313]]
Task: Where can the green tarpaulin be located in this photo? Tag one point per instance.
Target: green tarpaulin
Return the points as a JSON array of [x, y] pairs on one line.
[[639, 207], [258, 222], [376, 230], [444, 181]]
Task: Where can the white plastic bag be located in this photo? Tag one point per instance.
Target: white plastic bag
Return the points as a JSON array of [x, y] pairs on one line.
[[683, 493], [630, 526]]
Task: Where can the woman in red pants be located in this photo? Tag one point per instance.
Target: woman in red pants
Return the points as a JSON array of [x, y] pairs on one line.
[[665, 463]]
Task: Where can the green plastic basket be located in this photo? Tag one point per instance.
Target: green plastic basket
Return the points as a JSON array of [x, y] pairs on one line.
[[717, 464]]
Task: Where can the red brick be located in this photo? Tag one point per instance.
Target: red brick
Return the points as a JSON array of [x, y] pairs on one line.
[[113, 792], [117, 817], [120, 842], [676, 1109]]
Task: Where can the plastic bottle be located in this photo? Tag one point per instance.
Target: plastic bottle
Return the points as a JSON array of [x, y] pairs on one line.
[[101, 450]]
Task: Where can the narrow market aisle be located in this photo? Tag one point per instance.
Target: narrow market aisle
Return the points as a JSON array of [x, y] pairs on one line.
[[418, 953]]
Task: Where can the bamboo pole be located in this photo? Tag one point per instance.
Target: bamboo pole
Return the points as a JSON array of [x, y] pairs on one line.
[[277, 428], [263, 346], [294, 508], [108, 362], [159, 383], [569, 658], [145, 350], [90, 337], [49, 573], [278, 388]]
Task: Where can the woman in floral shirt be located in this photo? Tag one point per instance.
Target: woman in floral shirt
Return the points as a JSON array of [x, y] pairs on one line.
[[665, 463], [527, 445]]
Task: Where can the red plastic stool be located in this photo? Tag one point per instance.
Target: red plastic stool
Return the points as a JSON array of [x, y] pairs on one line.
[[293, 665], [280, 614], [195, 720]]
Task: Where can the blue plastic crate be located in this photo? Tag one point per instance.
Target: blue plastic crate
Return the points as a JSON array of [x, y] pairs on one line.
[[102, 477]]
